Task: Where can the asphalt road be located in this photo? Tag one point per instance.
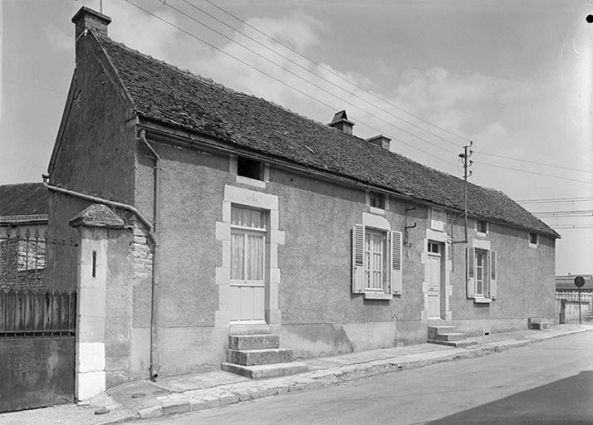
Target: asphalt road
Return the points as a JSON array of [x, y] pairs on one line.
[[549, 382]]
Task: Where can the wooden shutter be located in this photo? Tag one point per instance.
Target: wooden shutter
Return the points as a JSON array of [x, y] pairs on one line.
[[358, 259], [396, 263], [492, 264], [471, 271]]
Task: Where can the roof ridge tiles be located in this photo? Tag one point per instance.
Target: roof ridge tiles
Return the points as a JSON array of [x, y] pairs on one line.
[[165, 93]]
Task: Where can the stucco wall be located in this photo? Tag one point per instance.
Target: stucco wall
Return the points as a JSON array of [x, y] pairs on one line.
[[191, 202], [525, 282], [319, 313]]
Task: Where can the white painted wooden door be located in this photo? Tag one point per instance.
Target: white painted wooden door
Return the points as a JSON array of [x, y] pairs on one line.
[[248, 247], [434, 287]]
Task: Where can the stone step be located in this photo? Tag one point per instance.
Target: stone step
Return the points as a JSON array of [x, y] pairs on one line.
[[434, 330], [249, 329], [457, 344], [253, 342], [259, 357], [450, 336], [538, 323], [265, 371]]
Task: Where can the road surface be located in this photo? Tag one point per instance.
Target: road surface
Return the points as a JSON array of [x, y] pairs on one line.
[[549, 382]]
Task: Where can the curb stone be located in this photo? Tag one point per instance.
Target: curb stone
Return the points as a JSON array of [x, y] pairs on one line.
[[236, 393]]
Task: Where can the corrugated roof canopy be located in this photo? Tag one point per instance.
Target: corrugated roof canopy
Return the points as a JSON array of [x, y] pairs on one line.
[[165, 94]]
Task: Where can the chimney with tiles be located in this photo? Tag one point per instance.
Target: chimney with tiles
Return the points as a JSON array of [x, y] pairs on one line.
[[342, 123], [380, 140]]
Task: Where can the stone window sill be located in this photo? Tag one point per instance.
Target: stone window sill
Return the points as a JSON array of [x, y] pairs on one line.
[[482, 300], [377, 296]]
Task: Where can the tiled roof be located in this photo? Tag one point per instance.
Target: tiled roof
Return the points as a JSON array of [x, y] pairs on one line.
[[23, 199], [166, 94], [566, 283]]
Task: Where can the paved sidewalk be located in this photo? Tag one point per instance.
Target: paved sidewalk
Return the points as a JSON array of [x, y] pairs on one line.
[[179, 394]]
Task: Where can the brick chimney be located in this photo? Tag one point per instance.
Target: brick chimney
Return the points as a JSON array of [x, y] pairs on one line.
[[380, 140], [342, 123], [88, 19]]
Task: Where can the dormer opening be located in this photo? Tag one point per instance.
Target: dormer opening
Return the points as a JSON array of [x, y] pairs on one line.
[[250, 168]]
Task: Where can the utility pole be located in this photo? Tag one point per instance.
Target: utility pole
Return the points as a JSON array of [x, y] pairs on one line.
[[467, 153]]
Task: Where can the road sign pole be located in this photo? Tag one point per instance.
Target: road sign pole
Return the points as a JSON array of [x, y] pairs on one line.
[[580, 317], [579, 281]]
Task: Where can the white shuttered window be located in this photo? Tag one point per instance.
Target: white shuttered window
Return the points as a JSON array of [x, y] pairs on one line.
[[377, 261]]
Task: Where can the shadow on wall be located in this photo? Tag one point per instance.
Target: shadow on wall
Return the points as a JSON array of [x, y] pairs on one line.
[[566, 402]]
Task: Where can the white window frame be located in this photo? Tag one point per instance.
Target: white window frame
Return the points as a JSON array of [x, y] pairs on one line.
[[369, 254], [489, 289], [482, 274], [249, 231]]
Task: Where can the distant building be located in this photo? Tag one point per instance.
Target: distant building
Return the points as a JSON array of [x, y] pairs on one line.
[[23, 232]]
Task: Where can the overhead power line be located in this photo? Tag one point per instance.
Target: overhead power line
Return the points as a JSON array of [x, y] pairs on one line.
[[533, 172], [554, 200], [534, 162], [300, 77], [465, 139], [276, 79], [565, 212], [308, 70], [572, 226]]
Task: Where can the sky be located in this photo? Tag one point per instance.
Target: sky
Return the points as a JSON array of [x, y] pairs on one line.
[[512, 76]]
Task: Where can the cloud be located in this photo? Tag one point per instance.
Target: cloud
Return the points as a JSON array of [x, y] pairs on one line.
[[468, 104], [147, 34]]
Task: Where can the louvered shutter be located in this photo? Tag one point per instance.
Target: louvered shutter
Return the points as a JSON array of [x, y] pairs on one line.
[[471, 271], [358, 259], [492, 263], [396, 263]]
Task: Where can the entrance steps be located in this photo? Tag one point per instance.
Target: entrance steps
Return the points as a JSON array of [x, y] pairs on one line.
[[447, 335], [258, 355]]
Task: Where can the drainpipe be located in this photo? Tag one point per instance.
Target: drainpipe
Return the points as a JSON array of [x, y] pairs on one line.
[[103, 201], [155, 260]]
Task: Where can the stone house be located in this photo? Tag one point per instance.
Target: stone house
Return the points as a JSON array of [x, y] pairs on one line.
[[23, 234], [240, 215]]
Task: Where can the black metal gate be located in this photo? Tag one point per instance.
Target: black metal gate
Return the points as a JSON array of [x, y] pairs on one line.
[[37, 318]]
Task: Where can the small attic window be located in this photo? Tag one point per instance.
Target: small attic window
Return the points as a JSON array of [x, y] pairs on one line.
[[482, 226], [377, 200], [533, 239], [249, 168]]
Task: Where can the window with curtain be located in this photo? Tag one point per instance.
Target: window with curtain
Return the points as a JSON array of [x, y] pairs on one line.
[[248, 233]]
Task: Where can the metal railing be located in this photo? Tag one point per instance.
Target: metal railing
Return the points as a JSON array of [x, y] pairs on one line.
[[31, 313]]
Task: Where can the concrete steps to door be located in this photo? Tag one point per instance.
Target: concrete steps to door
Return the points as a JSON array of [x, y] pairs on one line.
[[265, 371], [253, 342], [257, 355], [446, 335]]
